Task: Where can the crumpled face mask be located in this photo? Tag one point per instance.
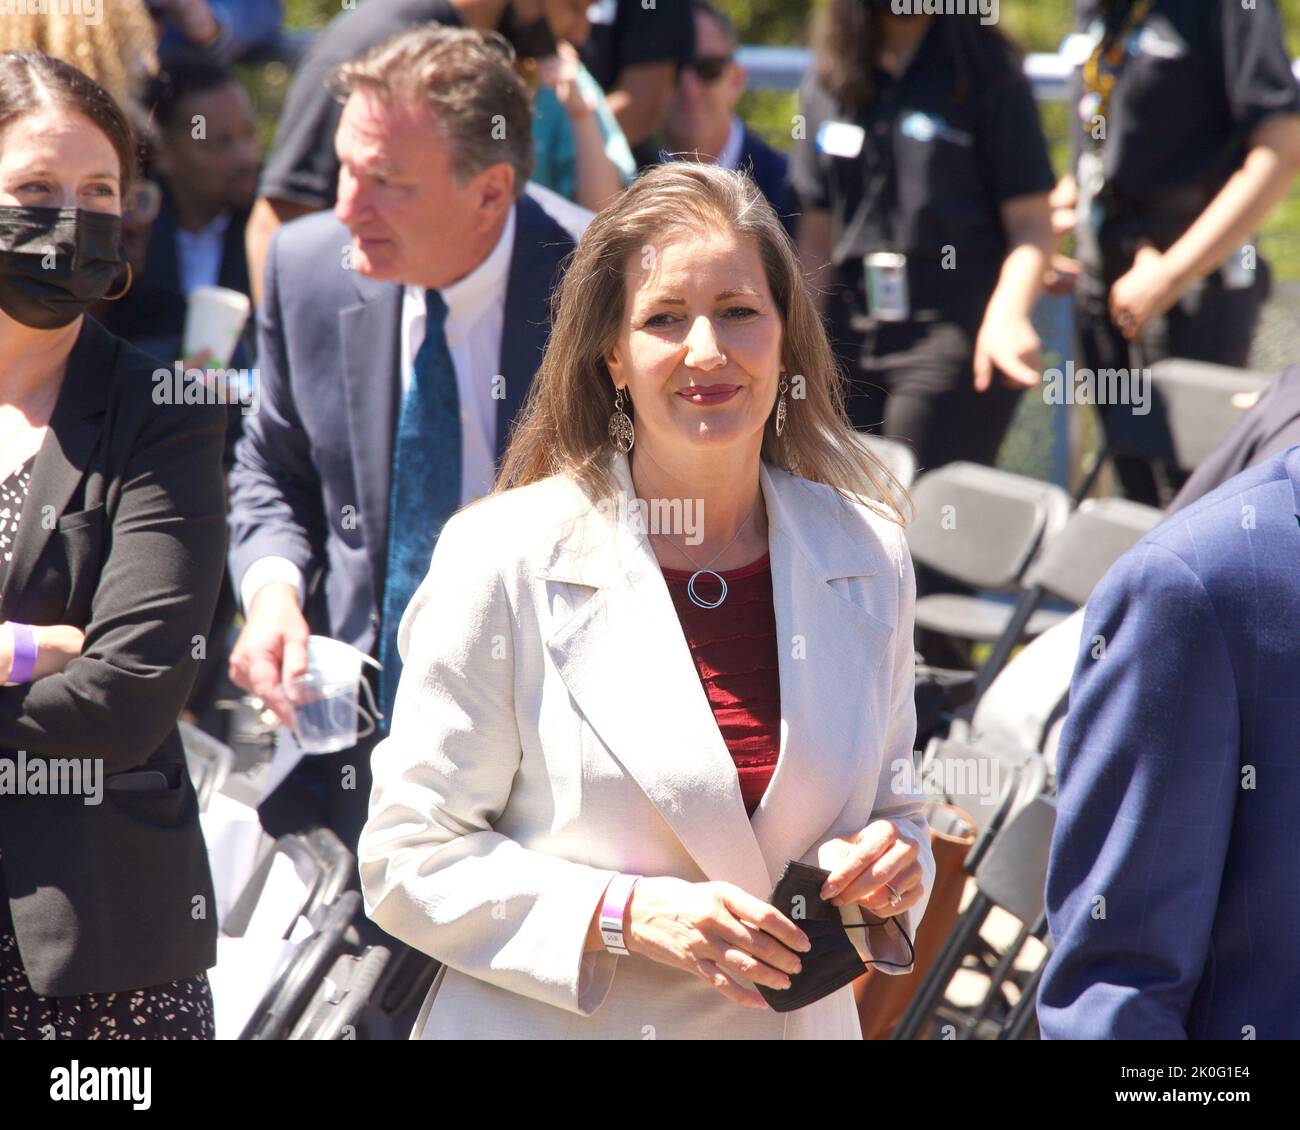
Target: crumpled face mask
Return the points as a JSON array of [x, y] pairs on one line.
[[833, 960]]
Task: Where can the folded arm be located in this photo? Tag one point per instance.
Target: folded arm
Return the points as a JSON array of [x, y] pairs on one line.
[[154, 601]]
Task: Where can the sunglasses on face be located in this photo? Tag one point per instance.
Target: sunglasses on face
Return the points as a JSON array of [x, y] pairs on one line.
[[710, 68]]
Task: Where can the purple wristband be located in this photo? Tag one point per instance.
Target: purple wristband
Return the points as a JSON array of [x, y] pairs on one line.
[[25, 650]]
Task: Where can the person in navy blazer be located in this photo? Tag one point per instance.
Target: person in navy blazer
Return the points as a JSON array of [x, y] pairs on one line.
[[1174, 872], [419, 206], [702, 121]]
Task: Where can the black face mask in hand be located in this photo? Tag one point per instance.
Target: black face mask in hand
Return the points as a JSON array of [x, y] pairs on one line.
[[55, 263], [833, 960]]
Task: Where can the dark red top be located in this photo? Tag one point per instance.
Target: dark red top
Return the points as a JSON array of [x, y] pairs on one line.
[[734, 648]]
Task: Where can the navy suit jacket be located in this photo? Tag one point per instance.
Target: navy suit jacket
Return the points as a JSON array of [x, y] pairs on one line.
[[1173, 890], [314, 466], [770, 169]]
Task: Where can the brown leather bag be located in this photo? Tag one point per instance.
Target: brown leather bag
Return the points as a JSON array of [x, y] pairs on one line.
[[882, 999]]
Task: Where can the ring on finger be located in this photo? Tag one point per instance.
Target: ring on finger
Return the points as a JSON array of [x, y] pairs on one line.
[[895, 899]]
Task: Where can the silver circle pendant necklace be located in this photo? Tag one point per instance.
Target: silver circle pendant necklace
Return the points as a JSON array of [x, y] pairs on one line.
[[705, 571]]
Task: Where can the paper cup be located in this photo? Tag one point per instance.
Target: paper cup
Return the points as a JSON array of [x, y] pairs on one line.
[[213, 323]]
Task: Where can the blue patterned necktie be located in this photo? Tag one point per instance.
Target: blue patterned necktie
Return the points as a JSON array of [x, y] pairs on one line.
[[426, 485]]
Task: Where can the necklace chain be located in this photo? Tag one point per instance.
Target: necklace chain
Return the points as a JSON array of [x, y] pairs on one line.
[[701, 570], [739, 529]]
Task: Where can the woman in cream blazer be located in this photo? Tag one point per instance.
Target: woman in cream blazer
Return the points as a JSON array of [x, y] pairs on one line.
[[551, 730]]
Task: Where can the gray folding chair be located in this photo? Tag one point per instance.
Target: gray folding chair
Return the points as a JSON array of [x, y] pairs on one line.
[[343, 992], [989, 780], [1067, 569], [896, 456], [1191, 410], [209, 761], [297, 983], [322, 864], [1011, 876], [982, 527]]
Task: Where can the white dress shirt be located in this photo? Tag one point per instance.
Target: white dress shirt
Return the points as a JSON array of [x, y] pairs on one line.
[[199, 254], [476, 307], [729, 158]]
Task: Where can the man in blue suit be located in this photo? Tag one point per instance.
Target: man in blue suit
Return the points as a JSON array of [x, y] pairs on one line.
[[702, 121], [399, 336], [1173, 890]]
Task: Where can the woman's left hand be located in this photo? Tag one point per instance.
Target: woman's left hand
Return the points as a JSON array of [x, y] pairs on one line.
[[869, 865], [1146, 291]]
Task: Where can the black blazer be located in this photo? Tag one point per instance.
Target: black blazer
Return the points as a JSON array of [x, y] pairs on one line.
[[123, 536]]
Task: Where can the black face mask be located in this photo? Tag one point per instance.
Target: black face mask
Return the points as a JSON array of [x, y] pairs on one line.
[[532, 40], [48, 291]]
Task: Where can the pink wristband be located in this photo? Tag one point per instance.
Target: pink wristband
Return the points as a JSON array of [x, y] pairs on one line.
[[612, 910], [25, 650]]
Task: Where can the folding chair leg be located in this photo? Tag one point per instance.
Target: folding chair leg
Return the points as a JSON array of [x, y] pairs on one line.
[[1025, 1013], [997, 979], [931, 989]]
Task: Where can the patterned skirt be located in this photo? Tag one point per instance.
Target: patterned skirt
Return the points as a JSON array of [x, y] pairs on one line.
[[179, 1010]]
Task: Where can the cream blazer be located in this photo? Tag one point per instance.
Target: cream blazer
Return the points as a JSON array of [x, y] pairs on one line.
[[551, 730]]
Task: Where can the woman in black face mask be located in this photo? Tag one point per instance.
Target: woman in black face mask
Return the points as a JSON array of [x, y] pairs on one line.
[[111, 544]]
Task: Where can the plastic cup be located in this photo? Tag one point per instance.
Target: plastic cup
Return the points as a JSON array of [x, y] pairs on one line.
[[215, 319], [327, 714]]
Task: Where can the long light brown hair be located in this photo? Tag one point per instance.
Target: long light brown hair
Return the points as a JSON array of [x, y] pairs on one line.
[[563, 426]]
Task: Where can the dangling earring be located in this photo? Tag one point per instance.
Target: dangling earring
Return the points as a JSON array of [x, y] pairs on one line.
[[130, 278], [780, 405], [621, 432]]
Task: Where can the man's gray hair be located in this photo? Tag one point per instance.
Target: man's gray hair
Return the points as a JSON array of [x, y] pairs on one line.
[[467, 80]]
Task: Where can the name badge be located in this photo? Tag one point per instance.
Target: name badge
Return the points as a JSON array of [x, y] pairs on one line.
[[1150, 42], [1077, 49], [602, 12], [840, 139], [886, 275]]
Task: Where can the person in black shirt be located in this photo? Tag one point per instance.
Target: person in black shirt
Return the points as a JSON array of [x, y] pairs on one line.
[[1189, 138], [302, 172], [932, 152], [635, 51]]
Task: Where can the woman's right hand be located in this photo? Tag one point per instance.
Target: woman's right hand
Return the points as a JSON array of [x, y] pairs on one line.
[[716, 931]]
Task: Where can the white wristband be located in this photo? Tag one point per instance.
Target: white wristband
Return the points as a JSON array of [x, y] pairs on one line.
[[612, 911]]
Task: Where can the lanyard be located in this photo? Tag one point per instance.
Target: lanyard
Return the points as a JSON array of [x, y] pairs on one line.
[[1102, 69]]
